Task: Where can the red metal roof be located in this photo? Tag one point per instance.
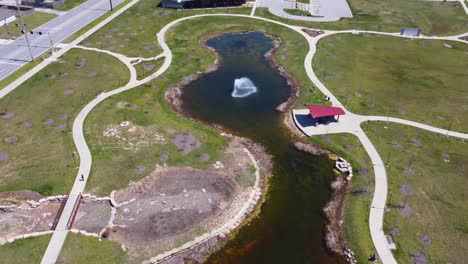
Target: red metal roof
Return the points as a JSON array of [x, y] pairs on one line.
[[322, 111]]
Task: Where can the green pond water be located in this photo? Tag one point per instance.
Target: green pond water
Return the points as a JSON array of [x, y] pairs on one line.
[[290, 226]]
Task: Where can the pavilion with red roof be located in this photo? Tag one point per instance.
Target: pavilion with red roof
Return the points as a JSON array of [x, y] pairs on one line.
[[324, 113]]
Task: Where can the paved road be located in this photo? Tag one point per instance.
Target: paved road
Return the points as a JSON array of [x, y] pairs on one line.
[[16, 54]]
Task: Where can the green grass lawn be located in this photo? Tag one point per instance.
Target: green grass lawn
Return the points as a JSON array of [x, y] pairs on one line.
[[28, 250], [70, 4], [133, 32], [428, 171], [89, 250], [41, 158], [420, 80], [32, 21], [297, 12], [434, 18], [356, 214], [146, 68], [145, 106]]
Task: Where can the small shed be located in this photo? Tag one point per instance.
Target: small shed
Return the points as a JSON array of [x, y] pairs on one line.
[[410, 32], [6, 16]]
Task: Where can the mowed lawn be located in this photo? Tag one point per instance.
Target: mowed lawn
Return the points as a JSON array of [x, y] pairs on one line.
[[89, 250], [427, 172], [28, 250], [32, 21], [434, 18], [134, 32], [115, 162], [36, 146], [359, 197], [419, 80]]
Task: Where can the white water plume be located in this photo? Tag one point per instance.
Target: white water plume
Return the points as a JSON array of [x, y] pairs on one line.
[[243, 87]]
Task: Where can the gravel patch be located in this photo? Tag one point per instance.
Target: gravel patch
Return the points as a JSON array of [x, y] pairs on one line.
[[12, 139], [139, 169], [48, 121], [7, 115], [4, 156], [27, 125], [68, 92]]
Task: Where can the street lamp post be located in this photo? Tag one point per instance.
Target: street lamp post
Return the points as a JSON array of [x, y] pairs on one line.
[[112, 8], [24, 30], [50, 40]]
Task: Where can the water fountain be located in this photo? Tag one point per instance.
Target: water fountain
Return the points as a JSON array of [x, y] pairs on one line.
[[243, 87]]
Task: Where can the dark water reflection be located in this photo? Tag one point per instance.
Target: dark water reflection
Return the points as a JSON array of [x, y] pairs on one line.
[[290, 226]]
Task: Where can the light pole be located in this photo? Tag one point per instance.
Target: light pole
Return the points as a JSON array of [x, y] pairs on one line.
[[112, 8], [24, 29], [50, 40]]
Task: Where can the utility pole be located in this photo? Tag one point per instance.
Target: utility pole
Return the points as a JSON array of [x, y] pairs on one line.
[[112, 8], [24, 30]]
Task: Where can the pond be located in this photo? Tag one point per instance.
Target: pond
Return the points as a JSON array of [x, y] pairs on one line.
[[290, 226]]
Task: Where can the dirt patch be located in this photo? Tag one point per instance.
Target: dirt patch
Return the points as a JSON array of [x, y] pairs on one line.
[[139, 169], [416, 142], [204, 157], [149, 67], [163, 157], [27, 221], [185, 142], [27, 125], [406, 190], [394, 231], [80, 62], [425, 239], [68, 92], [7, 115], [48, 121], [405, 210], [419, 258], [11, 139], [93, 217], [409, 171], [4, 156]]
